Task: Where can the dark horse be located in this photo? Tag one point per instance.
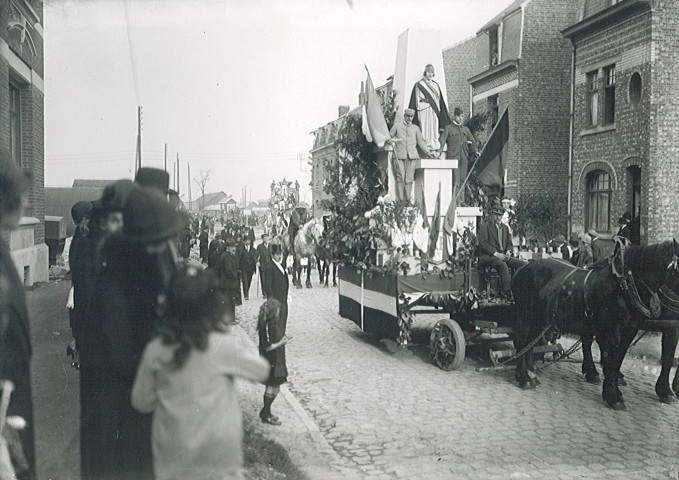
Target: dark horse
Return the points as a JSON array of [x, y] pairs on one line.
[[552, 296], [325, 258], [669, 303]]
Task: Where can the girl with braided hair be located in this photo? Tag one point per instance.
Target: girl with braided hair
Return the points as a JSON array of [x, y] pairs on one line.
[[187, 380], [272, 342]]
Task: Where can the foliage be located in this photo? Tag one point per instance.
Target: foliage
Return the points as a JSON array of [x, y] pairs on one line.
[[355, 183], [201, 182], [540, 215]]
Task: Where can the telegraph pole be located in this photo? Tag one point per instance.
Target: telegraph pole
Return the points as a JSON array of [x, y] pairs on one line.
[[188, 177], [166, 156], [137, 160], [177, 174]]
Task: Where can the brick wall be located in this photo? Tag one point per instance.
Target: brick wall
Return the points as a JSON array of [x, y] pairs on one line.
[[663, 210], [627, 45], [458, 65], [543, 104]]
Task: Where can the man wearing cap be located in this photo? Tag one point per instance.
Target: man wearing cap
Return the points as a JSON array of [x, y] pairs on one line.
[[276, 283], [495, 247], [597, 246], [227, 271], [460, 145], [406, 139]]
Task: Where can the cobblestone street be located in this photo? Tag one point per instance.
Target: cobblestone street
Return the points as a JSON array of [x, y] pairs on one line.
[[389, 413]]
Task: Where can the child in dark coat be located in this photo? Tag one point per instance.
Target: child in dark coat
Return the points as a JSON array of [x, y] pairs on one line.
[[272, 342]]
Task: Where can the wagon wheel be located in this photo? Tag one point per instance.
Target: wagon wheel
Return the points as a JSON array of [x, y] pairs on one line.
[[447, 345]]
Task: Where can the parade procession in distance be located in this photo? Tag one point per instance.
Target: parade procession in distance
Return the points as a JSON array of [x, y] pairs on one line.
[[471, 274]]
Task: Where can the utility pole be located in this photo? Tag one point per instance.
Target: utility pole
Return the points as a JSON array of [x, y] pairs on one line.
[[177, 173], [188, 177], [137, 160], [166, 156], [174, 176]]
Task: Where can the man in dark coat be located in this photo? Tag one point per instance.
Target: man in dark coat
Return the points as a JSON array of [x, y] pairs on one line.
[[136, 269], [624, 229], [82, 267], [263, 259], [227, 271], [203, 244], [461, 145], [495, 247], [276, 282], [215, 251], [561, 245], [247, 264]]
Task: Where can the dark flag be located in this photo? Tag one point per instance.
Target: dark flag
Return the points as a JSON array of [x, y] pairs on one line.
[[435, 226], [490, 167], [449, 226]]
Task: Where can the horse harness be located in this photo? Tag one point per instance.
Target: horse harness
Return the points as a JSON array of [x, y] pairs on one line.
[[620, 268]]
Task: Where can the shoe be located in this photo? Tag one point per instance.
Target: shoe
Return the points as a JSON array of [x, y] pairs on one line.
[[271, 420], [247, 298]]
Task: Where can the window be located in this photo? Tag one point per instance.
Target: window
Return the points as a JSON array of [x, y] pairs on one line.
[[15, 123], [493, 110], [592, 98], [598, 201], [494, 47], [634, 179], [635, 89], [609, 95]]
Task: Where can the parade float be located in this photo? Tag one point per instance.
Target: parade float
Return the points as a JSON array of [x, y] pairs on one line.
[[397, 260]]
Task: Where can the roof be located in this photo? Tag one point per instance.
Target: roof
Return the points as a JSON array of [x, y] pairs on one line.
[[91, 183], [516, 5], [228, 200], [209, 198], [58, 201], [598, 15]]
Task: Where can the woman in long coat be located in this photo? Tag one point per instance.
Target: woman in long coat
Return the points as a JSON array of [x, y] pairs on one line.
[[137, 266], [15, 337]]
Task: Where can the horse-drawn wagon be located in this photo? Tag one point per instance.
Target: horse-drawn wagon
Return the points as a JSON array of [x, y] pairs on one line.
[[638, 289], [386, 305]]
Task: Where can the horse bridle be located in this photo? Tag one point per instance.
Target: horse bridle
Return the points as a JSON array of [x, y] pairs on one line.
[[654, 310]]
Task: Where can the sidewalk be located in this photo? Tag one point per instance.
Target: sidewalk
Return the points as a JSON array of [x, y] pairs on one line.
[[298, 434]]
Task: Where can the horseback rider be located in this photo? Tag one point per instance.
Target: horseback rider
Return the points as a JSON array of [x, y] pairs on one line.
[[297, 221]]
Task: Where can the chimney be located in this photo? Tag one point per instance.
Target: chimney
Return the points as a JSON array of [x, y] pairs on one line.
[[361, 96], [342, 110]]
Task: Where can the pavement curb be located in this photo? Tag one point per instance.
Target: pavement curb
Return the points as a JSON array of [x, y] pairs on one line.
[[307, 447]]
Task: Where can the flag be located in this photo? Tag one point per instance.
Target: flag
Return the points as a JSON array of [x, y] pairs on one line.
[[449, 227], [374, 126], [490, 167], [421, 231], [435, 226]]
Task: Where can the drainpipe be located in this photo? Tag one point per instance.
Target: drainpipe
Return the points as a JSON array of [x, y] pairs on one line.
[[570, 143]]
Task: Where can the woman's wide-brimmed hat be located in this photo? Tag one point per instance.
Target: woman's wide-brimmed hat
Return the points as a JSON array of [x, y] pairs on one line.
[[149, 218], [80, 209]]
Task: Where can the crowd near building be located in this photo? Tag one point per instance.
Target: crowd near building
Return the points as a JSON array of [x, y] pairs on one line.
[[590, 89]]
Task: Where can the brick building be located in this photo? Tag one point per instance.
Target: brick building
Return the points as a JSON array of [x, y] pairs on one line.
[[459, 65], [522, 62], [22, 115], [323, 152], [625, 149]]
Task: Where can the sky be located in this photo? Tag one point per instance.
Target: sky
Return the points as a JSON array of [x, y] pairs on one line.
[[234, 87]]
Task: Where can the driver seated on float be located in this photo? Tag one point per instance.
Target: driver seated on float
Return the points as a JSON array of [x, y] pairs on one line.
[[496, 248]]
